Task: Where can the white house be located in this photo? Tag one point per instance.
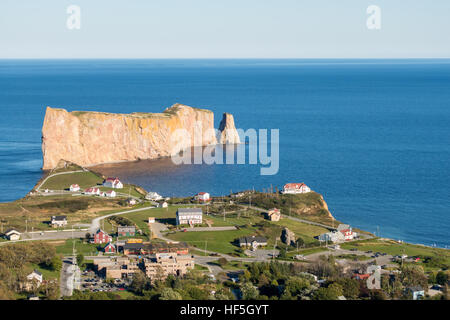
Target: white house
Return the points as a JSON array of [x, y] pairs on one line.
[[151, 219], [189, 216], [74, 188], [113, 183], [131, 201], [58, 221], [153, 196], [202, 196], [35, 275], [334, 236], [92, 191], [12, 234], [163, 205], [293, 188], [109, 194], [416, 292]]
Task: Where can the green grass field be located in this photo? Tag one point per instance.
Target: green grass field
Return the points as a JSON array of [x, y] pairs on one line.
[[394, 248], [80, 246], [61, 182], [305, 231], [217, 241], [46, 272]]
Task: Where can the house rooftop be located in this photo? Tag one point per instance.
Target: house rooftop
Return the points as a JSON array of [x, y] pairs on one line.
[[59, 218], [189, 210]]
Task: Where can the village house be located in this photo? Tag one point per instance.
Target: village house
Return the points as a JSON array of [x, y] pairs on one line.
[[153, 196], [36, 275], [126, 231], [110, 248], [109, 194], [58, 221], [343, 233], [131, 201], [74, 188], [293, 188], [92, 191], [113, 183], [416, 292], [151, 219], [12, 234], [332, 236], [163, 205], [163, 264], [189, 216], [347, 231], [273, 214], [252, 242], [202, 197], [101, 237], [34, 280]]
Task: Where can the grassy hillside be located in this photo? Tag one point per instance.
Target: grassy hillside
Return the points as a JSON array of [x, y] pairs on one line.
[[310, 205]]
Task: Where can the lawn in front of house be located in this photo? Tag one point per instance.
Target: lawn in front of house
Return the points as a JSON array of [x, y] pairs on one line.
[[47, 273]]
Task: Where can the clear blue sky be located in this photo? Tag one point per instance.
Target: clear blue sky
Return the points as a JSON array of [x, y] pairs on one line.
[[224, 29]]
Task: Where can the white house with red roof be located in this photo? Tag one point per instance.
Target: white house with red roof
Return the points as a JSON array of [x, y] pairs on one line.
[[293, 188], [74, 188], [202, 196], [92, 191], [346, 231], [113, 183]]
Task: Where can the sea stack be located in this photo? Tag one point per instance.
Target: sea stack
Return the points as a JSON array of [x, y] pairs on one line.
[[228, 133], [92, 138]]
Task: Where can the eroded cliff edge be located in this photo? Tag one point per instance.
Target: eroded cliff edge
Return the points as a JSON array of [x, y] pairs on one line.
[[92, 138]]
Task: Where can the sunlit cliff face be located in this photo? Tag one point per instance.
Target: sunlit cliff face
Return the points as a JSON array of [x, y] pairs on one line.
[[90, 138]]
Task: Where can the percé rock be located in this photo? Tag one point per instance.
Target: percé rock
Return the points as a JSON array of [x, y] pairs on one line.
[[228, 133], [92, 138]]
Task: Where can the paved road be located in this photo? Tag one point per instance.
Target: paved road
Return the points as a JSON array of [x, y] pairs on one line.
[[211, 228], [55, 174], [157, 228], [95, 224]]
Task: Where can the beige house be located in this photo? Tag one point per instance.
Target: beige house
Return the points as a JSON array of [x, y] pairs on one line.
[[12, 234], [273, 214], [163, 264]]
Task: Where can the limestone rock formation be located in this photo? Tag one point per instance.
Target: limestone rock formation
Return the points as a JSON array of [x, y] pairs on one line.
[[288, 237], [91, 138], [227, 130]]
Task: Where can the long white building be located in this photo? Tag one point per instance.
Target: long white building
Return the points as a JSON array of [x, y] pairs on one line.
[[189, 216]]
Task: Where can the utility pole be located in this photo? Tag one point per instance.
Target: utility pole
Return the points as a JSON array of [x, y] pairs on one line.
[[206, 243], [26, 225], [273, 254]]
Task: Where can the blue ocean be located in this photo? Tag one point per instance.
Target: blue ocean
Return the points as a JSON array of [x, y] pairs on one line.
[[372, 136]]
